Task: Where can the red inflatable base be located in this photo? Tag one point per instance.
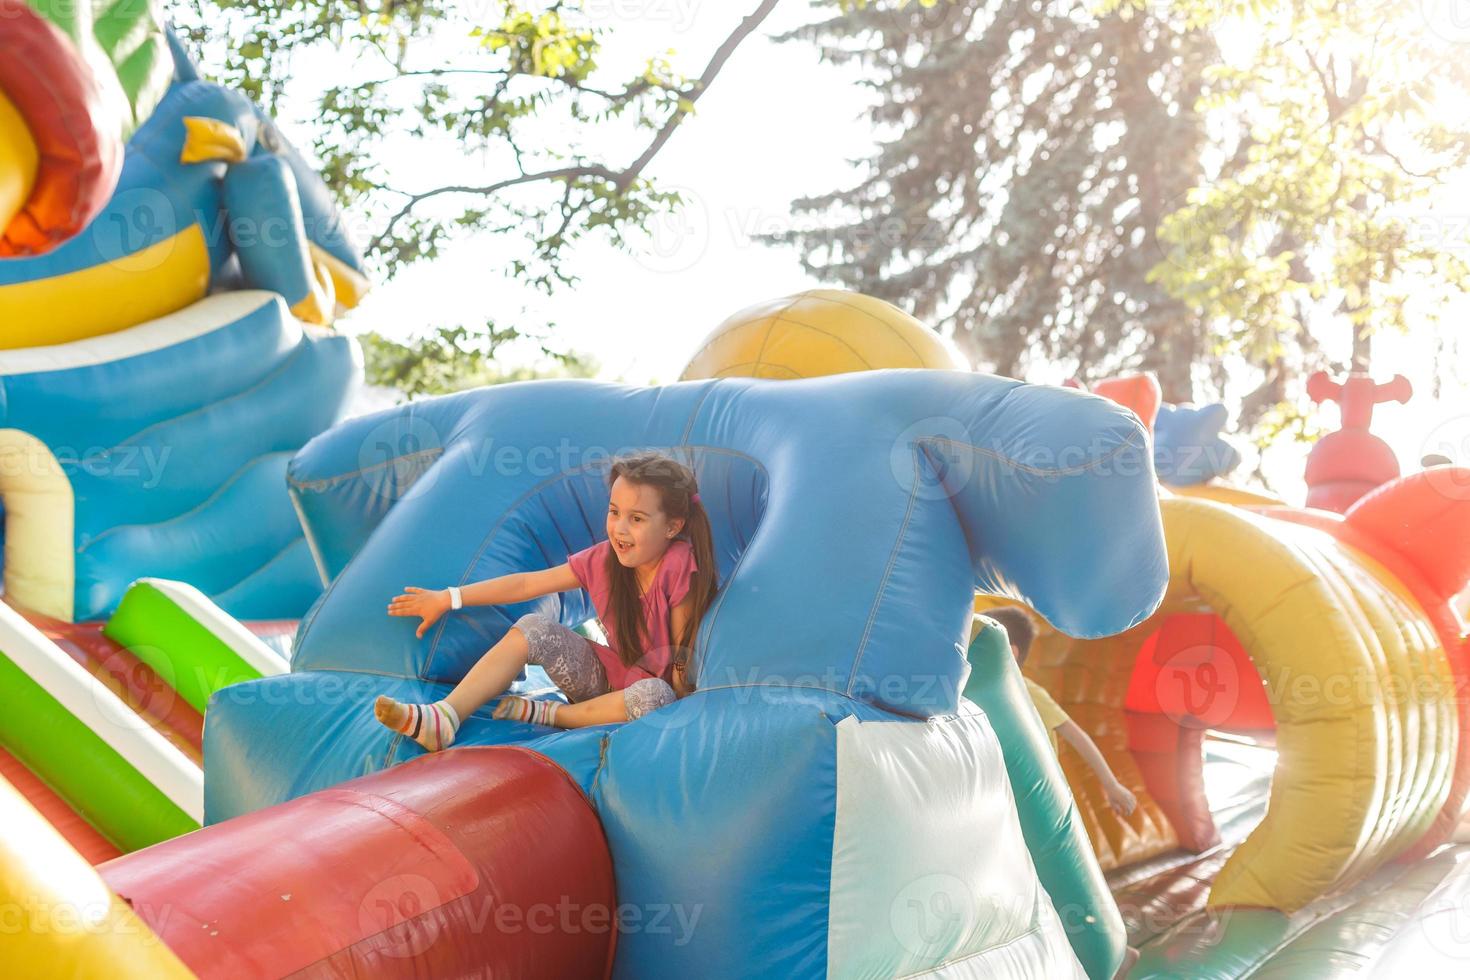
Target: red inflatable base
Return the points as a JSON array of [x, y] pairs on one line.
[[485, 861]]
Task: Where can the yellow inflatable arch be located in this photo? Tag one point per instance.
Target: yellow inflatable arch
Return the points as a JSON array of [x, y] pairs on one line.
[[1359, 685]]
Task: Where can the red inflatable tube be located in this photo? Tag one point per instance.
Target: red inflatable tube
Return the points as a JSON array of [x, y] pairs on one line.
[[1169, 707], [483, 861], [76, 129]]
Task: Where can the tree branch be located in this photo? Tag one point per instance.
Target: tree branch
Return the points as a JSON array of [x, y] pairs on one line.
[[722, 54], [621, 179]]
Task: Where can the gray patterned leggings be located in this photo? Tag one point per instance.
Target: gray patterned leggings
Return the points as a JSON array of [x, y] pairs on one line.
[[568, 660]]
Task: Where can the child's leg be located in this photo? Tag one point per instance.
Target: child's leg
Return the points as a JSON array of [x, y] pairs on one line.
[[434, 726], [569, 660], [496, 668], [633, 701], [601, 710]]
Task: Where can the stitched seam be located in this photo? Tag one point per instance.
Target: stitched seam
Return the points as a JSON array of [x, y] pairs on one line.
[[930, 971], [827, 333], [896, 333], [887, 572], [601, 762], [786, 686], [316, 556], [331, 582], [694, 414], [1036, 470], [331, 481], [729, 372], [771, 325]]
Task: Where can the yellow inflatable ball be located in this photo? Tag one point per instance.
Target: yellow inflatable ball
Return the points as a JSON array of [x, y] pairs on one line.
[[820, 331]]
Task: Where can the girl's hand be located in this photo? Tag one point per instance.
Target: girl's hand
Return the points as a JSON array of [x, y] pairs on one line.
[[428, 603]]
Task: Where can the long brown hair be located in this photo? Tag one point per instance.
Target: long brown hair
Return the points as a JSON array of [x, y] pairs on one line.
[[675, 485]]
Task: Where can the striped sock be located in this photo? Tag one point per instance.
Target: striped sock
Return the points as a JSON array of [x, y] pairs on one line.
[[514, 708], [431, 725]]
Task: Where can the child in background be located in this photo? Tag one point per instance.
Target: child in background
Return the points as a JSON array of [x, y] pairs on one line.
[[1021, 632]]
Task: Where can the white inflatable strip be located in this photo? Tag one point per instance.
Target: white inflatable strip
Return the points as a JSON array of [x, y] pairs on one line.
[[205, 316], [930, 871], [156, 758], [229, 630]]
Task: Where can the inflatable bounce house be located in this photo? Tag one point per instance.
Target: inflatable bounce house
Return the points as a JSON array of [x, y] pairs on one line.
[[199, 543], [155, 379]]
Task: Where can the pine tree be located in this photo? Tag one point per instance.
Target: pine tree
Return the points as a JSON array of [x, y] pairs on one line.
[[1029, 151]]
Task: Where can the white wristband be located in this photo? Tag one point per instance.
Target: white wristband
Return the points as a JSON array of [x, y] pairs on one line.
[[455, 599]]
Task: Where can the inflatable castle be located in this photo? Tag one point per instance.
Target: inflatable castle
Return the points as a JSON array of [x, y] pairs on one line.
[[199, 541]]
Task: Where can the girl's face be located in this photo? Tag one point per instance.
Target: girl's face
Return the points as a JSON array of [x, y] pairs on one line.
[[639, 530]]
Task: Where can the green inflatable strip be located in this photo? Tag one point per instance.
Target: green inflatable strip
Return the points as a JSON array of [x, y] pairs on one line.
[[186, 654], [1053, 831], [82, 768], [130, 36]]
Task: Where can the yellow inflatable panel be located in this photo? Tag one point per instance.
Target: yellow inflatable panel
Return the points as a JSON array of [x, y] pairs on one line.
[[18, 161], [61, 918], [142, 286], [40, 555], [820, 332], [1225, 493], [1360, 688], [347, 284]]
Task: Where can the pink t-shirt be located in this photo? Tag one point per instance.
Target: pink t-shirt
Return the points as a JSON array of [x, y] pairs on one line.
[[670, 585]]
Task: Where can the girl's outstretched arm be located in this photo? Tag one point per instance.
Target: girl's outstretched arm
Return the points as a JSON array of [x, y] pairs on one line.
[[518, 586], [430, 604]]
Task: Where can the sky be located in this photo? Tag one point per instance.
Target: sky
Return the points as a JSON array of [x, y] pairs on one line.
[[777, 124]]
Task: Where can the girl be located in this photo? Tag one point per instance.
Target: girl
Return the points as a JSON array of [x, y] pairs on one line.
[[650, 581]]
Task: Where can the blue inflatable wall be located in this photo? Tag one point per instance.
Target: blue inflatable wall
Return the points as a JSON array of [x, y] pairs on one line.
[[826, 778], [173, 440]]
